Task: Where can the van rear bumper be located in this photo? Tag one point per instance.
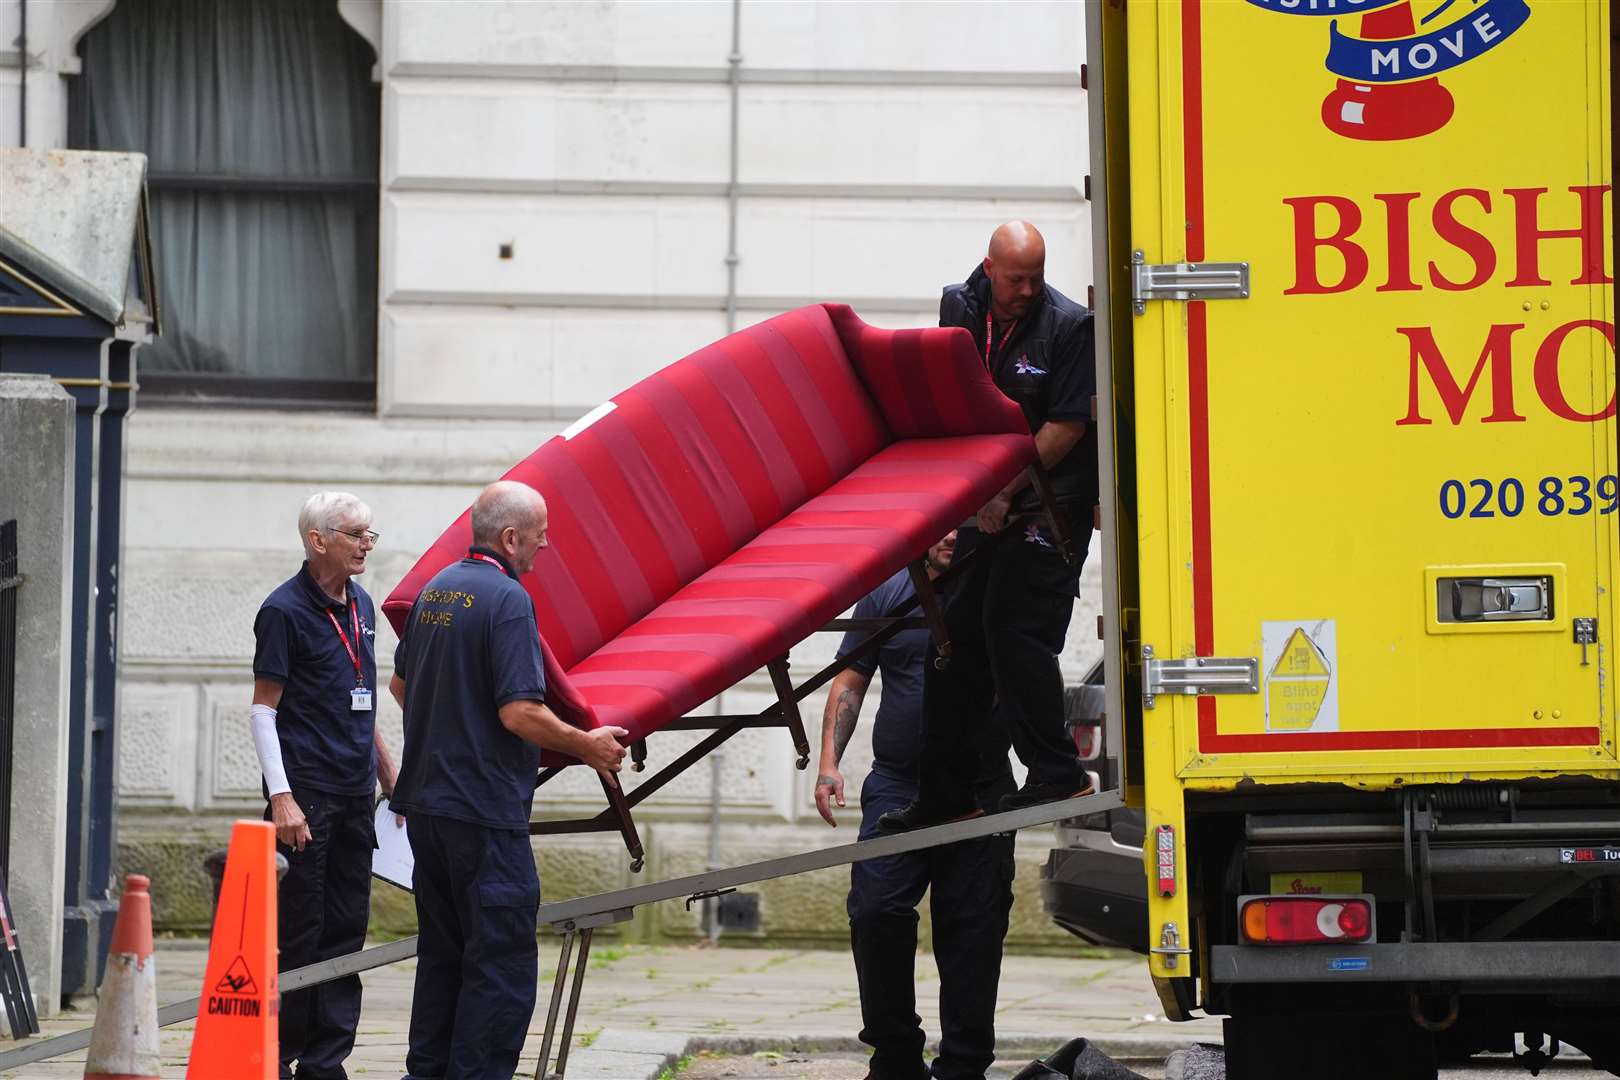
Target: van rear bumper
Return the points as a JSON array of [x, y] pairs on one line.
[[1507, 965]]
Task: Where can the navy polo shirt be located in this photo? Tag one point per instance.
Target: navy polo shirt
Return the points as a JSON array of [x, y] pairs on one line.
[[471, 646], [897, 733], [325, 744]]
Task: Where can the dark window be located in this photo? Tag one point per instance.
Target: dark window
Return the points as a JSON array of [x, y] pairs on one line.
[[259, 120]]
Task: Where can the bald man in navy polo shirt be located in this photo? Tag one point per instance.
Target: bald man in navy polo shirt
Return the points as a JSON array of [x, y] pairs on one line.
[[314, 721], [470, 675]]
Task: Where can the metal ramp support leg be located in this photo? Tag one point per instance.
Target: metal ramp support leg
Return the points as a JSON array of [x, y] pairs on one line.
[[620, 807], [567, 949], [933, 612], [790, 708]]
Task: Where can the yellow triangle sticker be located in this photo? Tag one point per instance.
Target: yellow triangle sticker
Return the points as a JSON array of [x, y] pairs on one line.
[[1300, 659], [1297, 686]]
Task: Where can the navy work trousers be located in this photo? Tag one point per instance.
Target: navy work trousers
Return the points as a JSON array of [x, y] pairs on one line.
[[1007, 619], [322, 909], [477, 897], [970, 893]]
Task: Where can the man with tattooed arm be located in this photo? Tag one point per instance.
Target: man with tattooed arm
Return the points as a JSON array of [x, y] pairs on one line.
[[970, 882]]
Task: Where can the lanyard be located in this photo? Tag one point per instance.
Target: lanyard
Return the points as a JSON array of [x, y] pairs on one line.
[[481, 557], [354, 622], [1003, 343]]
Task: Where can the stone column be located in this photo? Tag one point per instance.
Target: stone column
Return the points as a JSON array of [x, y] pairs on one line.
[[36, 488]]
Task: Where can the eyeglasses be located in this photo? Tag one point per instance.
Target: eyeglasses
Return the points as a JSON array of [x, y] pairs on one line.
[[361, 537]]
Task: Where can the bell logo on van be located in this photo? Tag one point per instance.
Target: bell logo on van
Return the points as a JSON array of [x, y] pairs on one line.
[[1388, 69]]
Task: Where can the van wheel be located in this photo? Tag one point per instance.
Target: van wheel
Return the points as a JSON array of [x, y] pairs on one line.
[[1328, 1046]]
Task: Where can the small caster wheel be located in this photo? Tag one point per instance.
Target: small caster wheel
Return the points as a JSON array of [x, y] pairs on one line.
[[638, 766], [804, 762], [636, 864], [941, 663]]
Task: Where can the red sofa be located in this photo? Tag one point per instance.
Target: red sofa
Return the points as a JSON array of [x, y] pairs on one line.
[[726, 507]]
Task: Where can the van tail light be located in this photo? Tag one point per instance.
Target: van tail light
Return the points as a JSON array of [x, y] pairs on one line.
[[1306, 920]]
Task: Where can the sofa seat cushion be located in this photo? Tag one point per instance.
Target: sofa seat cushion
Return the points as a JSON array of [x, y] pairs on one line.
[[792, 578]]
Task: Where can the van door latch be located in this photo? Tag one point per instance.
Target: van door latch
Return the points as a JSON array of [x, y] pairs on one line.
[[1198, 675], [1494, 599], [1585, 635], [1186, 281]]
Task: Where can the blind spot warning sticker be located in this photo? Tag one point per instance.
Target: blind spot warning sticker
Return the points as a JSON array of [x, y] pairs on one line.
[[1300, 662]]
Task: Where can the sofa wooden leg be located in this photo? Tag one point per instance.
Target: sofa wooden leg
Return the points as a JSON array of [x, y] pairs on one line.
[[933, 612], [790, 708], [627, 824], [1059, 526], [638, 755]]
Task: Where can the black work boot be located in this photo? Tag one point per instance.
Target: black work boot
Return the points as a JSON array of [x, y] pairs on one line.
[[920, 814], [1034, 793]]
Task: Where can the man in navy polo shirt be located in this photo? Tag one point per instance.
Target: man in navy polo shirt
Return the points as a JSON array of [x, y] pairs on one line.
[[469, 674], [315, 732], [969, 883]]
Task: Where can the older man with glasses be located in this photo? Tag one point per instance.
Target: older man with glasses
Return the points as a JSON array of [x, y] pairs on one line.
[[314, 729]]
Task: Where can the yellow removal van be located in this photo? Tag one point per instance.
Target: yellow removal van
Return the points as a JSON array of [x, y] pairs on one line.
[[1356, 325]]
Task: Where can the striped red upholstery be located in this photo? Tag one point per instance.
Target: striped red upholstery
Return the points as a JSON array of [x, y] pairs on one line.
[[792, 578], [734, 501]]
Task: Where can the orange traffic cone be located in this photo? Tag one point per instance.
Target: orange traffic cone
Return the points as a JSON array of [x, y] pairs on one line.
[[236, 1036], [1388, 111], [124, 1043]]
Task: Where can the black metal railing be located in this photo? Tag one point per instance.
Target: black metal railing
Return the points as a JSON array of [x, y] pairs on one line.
[[10, 580]]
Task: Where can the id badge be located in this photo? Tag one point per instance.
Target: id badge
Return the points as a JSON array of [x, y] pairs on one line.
[[359, 699]]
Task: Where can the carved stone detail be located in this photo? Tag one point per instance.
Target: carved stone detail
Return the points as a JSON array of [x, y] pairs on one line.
[[157, 738]]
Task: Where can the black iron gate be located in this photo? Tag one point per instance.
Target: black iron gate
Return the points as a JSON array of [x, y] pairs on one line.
[[10, 579]]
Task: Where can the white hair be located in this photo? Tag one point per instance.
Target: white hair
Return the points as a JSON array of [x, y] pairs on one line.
[[327, 510]]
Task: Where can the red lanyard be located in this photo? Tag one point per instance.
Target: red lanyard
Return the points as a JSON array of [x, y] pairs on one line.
[[354, 621], [1003, 344], [481, 557]]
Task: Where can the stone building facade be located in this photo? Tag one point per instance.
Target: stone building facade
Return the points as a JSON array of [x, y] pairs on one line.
[[567, 196]]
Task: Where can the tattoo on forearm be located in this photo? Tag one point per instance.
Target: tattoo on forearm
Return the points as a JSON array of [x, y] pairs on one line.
[[846, 712], [825, 781]]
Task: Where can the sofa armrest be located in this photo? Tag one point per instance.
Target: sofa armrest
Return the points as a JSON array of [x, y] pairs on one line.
[[928, 383]]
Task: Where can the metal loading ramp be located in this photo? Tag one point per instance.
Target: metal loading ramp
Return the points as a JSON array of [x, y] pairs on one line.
[[576, 919]]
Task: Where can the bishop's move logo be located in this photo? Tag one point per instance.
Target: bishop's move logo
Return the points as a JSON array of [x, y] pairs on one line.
[[1389, 86]]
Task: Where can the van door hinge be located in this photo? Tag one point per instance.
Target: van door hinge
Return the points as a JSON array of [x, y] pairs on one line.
[[1186, 281], [1198, 675]]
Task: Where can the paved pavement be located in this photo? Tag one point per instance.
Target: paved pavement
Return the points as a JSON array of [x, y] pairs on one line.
[[850, 1066], [646, 1006], [831, 1066]]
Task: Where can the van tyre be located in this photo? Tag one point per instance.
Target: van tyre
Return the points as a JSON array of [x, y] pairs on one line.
[[1328, 1046]]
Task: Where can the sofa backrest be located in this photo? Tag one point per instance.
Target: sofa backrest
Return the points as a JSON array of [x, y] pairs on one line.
[[680, 471]]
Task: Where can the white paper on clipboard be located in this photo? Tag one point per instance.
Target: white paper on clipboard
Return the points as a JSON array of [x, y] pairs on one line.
[[392, 860]]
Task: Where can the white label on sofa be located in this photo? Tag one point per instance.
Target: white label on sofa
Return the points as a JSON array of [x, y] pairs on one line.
[[588, 419]]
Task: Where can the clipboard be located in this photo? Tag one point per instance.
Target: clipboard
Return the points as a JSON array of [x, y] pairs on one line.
[[391, 860]]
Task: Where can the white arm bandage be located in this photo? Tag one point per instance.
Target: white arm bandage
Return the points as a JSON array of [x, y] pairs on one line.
[[265, 743]]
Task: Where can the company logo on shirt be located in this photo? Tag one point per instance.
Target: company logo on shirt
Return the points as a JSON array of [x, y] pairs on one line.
[[1034, 535], [1024, 367]]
